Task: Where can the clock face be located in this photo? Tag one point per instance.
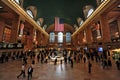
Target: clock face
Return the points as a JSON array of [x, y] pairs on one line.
[[17, 1]]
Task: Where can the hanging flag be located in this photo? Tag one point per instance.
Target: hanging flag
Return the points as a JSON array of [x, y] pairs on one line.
[[59, 25]]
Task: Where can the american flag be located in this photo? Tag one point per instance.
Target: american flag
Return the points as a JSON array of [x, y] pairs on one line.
[[59, 25]]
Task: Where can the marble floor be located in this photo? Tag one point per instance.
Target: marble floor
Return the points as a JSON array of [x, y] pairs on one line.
[[10, 70]]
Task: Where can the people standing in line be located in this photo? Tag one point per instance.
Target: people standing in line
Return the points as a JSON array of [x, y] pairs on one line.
[[22, 71], [30, 71], [89, 67]]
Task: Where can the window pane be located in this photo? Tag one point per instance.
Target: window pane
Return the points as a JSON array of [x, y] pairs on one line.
[[52, 37], [17, 1], [60, 37], [38, 22], [68, 37], [90, 12], [29, 12]]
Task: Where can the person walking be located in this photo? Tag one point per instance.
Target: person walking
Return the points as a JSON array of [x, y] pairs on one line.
[[22, 71], [84, 59], [30, 71], [71, 59], [55, 62], [109, 62], [89, 67], [118, 64]]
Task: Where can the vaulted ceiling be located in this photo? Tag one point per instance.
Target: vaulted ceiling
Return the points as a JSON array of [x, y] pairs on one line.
[[69, 10]]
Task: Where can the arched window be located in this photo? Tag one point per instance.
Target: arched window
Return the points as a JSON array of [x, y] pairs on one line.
[[101, 0], [29, 12], [60, 37], [17, 1], [52, 37], [44, 27], [38, 22], [81, 22], [75, 26], [68, 37], [90, 12]]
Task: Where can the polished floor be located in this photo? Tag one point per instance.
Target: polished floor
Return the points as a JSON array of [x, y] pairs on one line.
[[10, 70]]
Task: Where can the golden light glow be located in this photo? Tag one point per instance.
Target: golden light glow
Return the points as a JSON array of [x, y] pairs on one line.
[[97, 12], [12, 4], [118, 50]]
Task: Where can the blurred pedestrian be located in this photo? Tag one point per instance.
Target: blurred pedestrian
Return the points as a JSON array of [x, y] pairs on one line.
[[22, 71], [89, 67], [30, 71]]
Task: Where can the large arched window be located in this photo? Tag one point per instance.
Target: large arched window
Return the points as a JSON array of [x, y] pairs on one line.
[[29, 12], [52, 37], [68, 37], [90, 12], [60, 37]]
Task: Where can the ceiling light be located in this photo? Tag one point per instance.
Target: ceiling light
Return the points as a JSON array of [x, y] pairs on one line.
[[119, 6], [1, 7]]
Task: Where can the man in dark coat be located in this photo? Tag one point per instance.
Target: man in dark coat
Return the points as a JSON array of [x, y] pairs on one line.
[[30, 71]]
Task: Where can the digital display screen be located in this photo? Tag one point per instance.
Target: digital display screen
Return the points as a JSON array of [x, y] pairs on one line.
[[100, 49]]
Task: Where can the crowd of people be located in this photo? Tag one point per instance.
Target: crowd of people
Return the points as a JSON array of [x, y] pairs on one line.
[[69, 57]]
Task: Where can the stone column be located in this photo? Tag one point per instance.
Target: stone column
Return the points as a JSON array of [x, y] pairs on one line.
[[14, 30], [31, 36], [1, 30], [88, 35], [105, 29], [38, 37], [119, 25]]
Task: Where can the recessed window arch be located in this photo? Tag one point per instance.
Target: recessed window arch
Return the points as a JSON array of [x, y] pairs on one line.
[[38, 22], [44, 27], [17, 1], [81, 22], [90, 12], [30, 13], [75, 26], [101, 0]]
